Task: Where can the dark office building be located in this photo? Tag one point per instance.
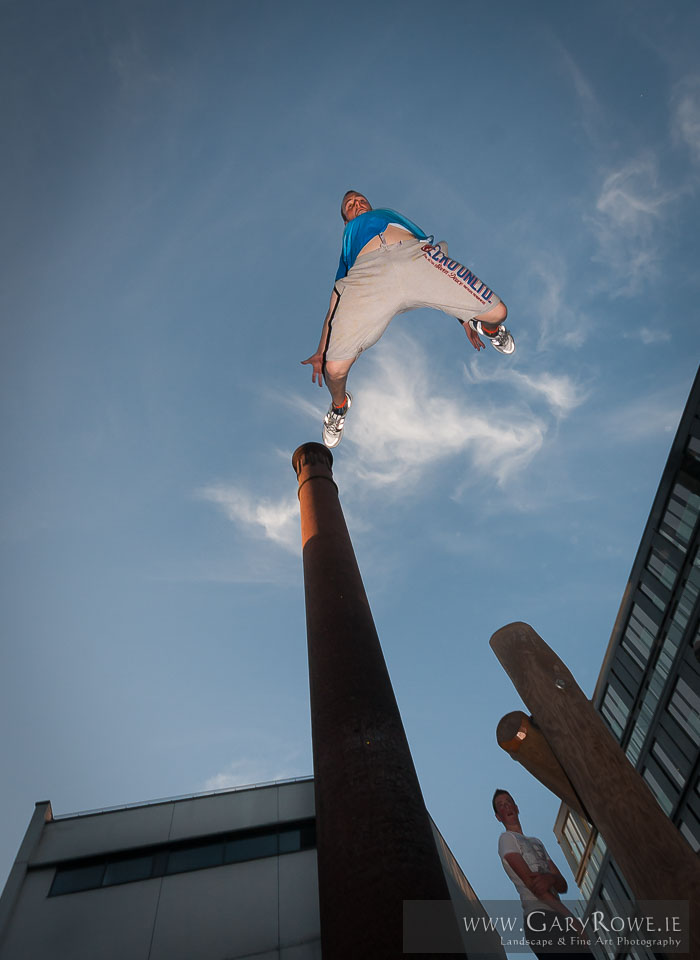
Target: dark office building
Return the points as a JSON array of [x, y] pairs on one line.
[[648, 690]]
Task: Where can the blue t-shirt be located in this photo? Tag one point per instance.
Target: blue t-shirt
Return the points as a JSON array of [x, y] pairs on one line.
[[360, 231]]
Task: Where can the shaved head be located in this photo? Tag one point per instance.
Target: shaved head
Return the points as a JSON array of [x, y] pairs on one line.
[[346, 197]]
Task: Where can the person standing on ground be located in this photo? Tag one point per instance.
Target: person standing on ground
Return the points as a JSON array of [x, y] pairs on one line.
[[551, 929], [388, 265]]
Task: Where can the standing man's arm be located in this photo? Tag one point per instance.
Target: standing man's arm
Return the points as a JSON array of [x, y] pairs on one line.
[[539, 883], [316, 359], [559, 884], [544, 885]]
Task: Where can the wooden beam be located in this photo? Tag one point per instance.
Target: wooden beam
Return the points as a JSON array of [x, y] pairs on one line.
[[657, 862], [523, 741]]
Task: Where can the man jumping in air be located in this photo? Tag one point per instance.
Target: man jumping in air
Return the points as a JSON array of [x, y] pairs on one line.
[[388, 266]]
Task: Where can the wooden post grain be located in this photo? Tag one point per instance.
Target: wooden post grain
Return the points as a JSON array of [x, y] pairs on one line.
[[656, 861], [523, 740]]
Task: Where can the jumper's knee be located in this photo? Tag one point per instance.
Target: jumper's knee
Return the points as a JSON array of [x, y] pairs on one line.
[[337, 369], [496, 314]]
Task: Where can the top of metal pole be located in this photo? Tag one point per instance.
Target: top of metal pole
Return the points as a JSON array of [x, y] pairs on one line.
[[312, 461]]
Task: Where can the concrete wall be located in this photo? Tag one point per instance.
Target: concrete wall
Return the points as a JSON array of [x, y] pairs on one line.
[[84, 836], [264, 908]]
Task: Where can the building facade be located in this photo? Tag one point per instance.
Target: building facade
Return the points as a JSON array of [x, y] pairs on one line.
[[224, 876], [648, 691]]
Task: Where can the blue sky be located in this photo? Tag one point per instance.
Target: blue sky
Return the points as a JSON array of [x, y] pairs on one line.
[[171, 182]]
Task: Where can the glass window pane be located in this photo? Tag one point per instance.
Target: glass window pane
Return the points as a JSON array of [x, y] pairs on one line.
[[661, 567], [74, 879], [652, 594], [668, 764], [615, 710], [290, 841], [251, 848], [639, 616], [308, 836], [690, 828], [124, 871], [681, 515], [684, 706], [694, 447], [195, 858], [665, 803]]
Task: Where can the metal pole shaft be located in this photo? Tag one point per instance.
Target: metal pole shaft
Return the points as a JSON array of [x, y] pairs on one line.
[[375, 845]]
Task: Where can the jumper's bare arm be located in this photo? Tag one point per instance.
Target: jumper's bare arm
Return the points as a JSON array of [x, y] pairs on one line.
[[316, 359]]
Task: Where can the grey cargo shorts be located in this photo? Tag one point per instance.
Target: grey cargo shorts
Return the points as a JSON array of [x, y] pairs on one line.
[[394, 279]]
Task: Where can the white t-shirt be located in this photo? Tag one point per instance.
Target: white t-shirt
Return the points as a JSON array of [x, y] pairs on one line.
[[535, 856]]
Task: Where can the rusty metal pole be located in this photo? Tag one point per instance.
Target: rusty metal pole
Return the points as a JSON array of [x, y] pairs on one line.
[[375, 845]]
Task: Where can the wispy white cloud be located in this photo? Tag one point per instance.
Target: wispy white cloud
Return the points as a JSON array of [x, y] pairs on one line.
[[554, 312], [560, 391], [631, 195], [686, 115], [648, 335], [275, 520], [247, 771], [591, 113], [407, 421], [630, 211]]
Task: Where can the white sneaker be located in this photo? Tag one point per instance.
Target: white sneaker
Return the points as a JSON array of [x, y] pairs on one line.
[[501, 341], [333, 424]]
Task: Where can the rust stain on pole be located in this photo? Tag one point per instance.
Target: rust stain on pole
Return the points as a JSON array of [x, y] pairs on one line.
[[657, 862], [375, 845]]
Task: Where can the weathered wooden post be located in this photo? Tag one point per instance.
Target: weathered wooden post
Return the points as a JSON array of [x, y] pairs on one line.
[[523, 740], [657, 862], [375, 844]]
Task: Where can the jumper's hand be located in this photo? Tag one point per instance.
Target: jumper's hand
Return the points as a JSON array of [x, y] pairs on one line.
[[474, 337], [316, 362]]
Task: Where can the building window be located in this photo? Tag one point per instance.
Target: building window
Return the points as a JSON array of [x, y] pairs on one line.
[[693, 447], [195, 857], [660, 788], [686, 603], [168, 859], [614, 710], [595, 861], [650, 591], [690, 828], [251, 848], [667, 763], [684, 707], [681, 512], [575, 835], [659, 563], [77, 879], [639, 635], [126, 871]]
